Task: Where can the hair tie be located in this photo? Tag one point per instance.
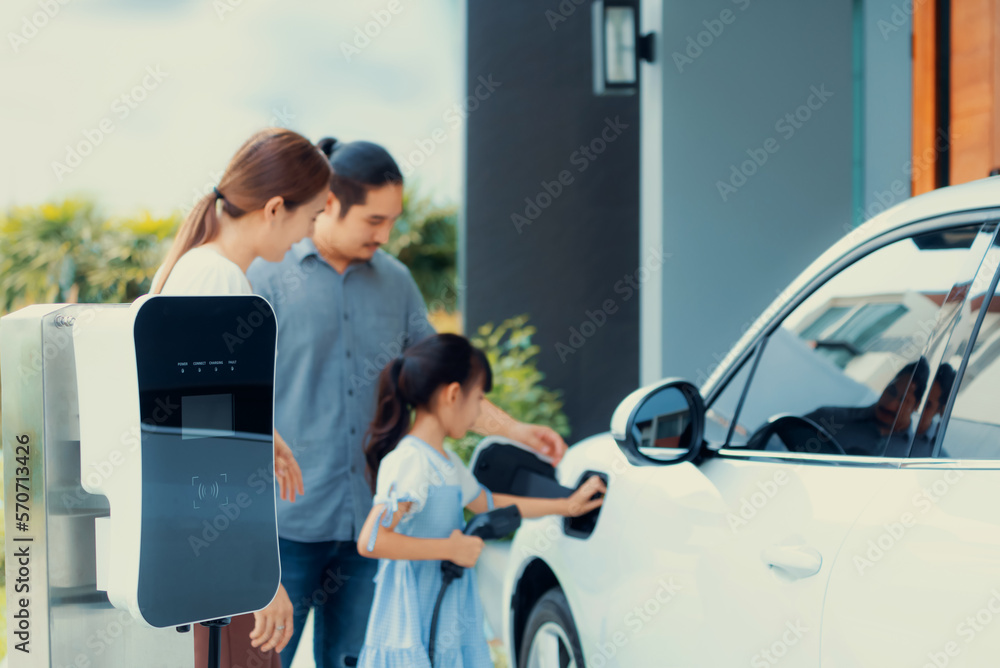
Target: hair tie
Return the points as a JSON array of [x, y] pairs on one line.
[[218, 195], [396, 370]]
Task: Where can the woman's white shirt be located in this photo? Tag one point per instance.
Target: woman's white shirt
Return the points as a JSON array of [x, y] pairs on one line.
[[205, 271]]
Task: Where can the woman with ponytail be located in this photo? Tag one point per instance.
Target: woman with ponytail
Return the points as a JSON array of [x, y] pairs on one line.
[[416, 520], [268, 199]]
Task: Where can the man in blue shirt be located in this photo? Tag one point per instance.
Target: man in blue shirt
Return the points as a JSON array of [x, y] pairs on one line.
[[345, 308]]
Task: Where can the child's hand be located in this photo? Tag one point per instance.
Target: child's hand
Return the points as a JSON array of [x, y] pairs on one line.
[[580, 501], [464, 550]]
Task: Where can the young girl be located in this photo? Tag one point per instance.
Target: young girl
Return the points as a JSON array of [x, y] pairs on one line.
[[268, 199], [416, 519]]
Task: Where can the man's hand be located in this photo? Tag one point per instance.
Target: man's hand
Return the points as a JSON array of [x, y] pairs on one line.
[[273, 625], [286, 470], [542, 439], [492, 421]]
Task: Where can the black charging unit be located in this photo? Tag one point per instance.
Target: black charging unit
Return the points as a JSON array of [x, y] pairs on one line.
[[506, 467], [488, 526]]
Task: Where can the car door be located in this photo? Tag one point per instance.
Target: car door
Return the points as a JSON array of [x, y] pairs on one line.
[[744, 541], [917, 582]]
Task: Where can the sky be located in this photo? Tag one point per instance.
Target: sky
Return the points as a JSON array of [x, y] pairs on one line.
[[140, 104]]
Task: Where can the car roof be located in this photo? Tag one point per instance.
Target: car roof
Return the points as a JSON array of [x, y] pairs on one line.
[[972, 196]]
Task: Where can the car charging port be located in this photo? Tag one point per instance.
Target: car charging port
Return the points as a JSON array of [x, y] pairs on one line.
[[506, 467], [581, 527]]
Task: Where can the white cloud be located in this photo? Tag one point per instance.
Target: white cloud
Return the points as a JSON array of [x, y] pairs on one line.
[[224, 79]]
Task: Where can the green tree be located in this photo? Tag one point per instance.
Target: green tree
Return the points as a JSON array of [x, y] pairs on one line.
[[69, 252], [425, 239], [517, 382]]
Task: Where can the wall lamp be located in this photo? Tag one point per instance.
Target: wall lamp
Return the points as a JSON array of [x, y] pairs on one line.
[[618, 47]]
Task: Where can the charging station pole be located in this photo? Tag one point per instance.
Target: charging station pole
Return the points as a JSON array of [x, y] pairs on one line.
[[56, 616]]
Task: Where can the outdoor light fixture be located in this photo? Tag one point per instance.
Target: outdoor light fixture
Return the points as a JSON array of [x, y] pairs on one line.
[[618, 47]]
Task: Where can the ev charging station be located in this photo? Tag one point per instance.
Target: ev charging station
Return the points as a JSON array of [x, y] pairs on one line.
[[138, 476]]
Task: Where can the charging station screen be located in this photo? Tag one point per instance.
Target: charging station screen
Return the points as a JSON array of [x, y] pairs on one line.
[[207, 415], [207, 440]]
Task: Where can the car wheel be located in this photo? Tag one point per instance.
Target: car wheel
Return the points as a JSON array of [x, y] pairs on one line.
[[550, 638]]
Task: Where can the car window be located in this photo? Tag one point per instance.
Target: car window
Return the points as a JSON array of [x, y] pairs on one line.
[[973, 427], [846, 370], [719, 416]]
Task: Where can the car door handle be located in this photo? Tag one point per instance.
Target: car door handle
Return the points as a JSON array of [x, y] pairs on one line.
[[793, 561]]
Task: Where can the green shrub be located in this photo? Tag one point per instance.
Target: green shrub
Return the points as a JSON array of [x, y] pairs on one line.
[[69, 252], [517, 382], [425, 239]]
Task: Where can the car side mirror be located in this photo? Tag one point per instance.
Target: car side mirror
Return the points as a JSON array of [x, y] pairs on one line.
[[660, 424]]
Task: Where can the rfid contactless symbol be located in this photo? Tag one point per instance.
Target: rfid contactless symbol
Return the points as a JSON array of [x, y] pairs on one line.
[[209, 491]]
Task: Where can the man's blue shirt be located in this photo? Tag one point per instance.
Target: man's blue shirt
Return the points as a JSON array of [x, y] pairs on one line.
[[335, 334]]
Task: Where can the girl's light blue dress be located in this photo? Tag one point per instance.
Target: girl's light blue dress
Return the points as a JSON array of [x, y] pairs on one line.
[[405, 591]]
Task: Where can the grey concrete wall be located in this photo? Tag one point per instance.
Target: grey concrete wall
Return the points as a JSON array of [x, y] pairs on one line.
[[754, 183], [886, 106], [565, 255]]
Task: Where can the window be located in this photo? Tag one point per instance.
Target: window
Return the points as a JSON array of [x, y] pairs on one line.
[[847, 369], [719, 416], [973, 430]]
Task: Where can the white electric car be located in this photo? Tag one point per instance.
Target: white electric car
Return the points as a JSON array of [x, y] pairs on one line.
[[830, 496]]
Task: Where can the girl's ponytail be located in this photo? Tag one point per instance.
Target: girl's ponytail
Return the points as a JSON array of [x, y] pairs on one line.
[[392, 418], [411, 380], [201, 226]]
